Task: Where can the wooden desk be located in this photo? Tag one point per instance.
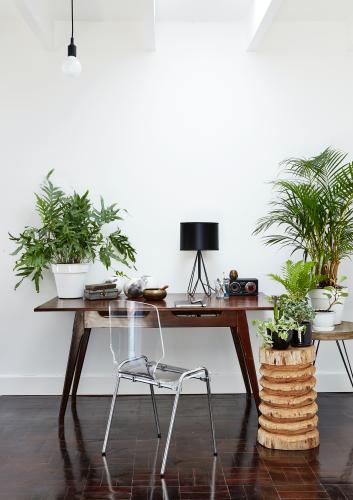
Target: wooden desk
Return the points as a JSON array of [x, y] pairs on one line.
[[229, 313]]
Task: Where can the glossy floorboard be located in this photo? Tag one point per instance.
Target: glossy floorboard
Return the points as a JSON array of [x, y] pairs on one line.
[[35, 464]]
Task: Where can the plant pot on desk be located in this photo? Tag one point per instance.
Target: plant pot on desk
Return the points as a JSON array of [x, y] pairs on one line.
[[70, 279]]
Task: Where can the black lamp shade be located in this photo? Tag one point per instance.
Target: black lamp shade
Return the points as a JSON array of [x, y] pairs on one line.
[[199, 236]]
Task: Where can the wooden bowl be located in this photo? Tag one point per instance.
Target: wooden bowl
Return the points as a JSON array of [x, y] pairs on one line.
[[155, 293]]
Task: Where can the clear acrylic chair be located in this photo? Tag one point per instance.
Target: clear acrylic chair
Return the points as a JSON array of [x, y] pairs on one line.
[[136, 343]]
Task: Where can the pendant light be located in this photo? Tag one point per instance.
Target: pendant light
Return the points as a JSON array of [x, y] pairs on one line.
[[71, 66]]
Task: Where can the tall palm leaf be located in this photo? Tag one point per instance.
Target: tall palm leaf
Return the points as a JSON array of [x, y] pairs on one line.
[[313, 210]]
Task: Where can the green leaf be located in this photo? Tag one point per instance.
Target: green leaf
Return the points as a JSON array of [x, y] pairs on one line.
[[71, 231]]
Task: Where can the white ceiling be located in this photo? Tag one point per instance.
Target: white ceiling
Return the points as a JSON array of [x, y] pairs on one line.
[[41, 15], [182, 10], [315, 10], [125, 10]]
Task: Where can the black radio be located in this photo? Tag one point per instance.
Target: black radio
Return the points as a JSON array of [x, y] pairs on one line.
[[243, 286]]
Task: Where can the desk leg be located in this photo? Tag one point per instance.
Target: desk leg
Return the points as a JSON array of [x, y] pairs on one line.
[[77, 334], [241, 360], [244, 339], [80, 360]]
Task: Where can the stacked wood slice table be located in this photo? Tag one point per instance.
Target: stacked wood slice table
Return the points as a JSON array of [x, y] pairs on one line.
[[288, 406]]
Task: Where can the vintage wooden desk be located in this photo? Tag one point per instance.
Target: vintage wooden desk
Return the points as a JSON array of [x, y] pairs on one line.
[[229, 313]]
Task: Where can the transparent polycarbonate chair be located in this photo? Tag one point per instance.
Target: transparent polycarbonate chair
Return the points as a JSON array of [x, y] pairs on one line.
[[137, 346]]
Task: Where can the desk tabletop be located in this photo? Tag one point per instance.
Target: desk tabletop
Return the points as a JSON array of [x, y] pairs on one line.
[[212, 304]]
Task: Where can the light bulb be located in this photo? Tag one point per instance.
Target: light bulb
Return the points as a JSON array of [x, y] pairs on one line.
[[71, 66]]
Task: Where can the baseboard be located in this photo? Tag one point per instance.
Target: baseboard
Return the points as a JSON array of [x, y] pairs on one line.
[[98, 384]]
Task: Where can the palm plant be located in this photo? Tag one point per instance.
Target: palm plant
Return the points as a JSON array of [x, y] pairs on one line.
[[313, 209]]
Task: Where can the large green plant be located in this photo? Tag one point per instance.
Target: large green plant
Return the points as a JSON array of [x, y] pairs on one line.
[[313, 210], [70, 233]]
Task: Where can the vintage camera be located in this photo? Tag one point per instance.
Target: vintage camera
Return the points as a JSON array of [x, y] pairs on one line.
[[243, 286]]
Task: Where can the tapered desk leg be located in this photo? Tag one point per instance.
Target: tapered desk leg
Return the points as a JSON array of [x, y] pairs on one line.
[[244, 339], [241, 360], [80, 360], [77, 334]]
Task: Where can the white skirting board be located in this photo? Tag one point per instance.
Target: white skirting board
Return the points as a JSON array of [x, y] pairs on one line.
[[98, 384]]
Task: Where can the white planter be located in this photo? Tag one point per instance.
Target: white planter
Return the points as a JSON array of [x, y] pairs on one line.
[[338, 309], [70, 279], [319, 301], [324, 321]]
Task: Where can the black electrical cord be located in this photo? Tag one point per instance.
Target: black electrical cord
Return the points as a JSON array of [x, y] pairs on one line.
[[72, 19]]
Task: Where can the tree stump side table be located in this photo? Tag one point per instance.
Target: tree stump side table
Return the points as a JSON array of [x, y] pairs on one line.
[[288, 406]]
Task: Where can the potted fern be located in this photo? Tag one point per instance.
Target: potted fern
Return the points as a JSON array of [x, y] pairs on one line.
[[68, 239], [298, 279], [312, 213]]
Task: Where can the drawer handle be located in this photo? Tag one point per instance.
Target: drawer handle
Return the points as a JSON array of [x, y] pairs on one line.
[[189, 314]]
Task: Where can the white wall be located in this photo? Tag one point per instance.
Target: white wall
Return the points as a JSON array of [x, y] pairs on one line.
[[190, 132]]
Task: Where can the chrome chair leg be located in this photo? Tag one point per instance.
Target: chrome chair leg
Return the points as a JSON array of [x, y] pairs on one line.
[[170, 430], [112, 406], [208, 385], [154, 404]]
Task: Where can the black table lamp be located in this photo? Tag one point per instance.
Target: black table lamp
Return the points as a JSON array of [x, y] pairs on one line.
[[199, 236]]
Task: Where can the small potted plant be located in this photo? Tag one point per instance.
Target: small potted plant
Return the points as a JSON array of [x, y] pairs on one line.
[[301, 312], [324, 320], [277, 332], [298, 279], [69, 238], [341, 292]]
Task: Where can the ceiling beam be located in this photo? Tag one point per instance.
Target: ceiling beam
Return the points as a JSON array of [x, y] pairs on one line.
[[264, 13], [36, 15], [149, 27]]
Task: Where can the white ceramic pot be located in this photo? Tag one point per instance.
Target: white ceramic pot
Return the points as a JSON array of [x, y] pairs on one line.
[[338, 309], [70, 279], [324, 321], [319, 301]]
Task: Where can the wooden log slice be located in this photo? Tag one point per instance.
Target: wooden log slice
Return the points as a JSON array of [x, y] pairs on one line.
[[286, 367], [288, 414], [292, 356], [287, 401], [288, 428], [282, 442], [272, 374], [288, 388]]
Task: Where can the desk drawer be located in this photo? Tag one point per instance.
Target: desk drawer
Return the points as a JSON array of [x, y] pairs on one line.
[[169, 319]]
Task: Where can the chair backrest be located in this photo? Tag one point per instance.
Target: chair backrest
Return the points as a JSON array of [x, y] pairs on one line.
[[136, 337]]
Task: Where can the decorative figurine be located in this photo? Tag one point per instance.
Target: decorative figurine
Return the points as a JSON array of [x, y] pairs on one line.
[[233, 274]]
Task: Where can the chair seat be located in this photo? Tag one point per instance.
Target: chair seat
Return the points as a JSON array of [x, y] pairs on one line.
[[163, 375]]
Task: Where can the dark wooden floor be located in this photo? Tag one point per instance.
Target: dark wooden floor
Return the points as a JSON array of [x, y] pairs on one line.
[[36, 465]]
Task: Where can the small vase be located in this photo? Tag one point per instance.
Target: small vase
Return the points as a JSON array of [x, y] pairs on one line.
[[303, 339], [278, 343]]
